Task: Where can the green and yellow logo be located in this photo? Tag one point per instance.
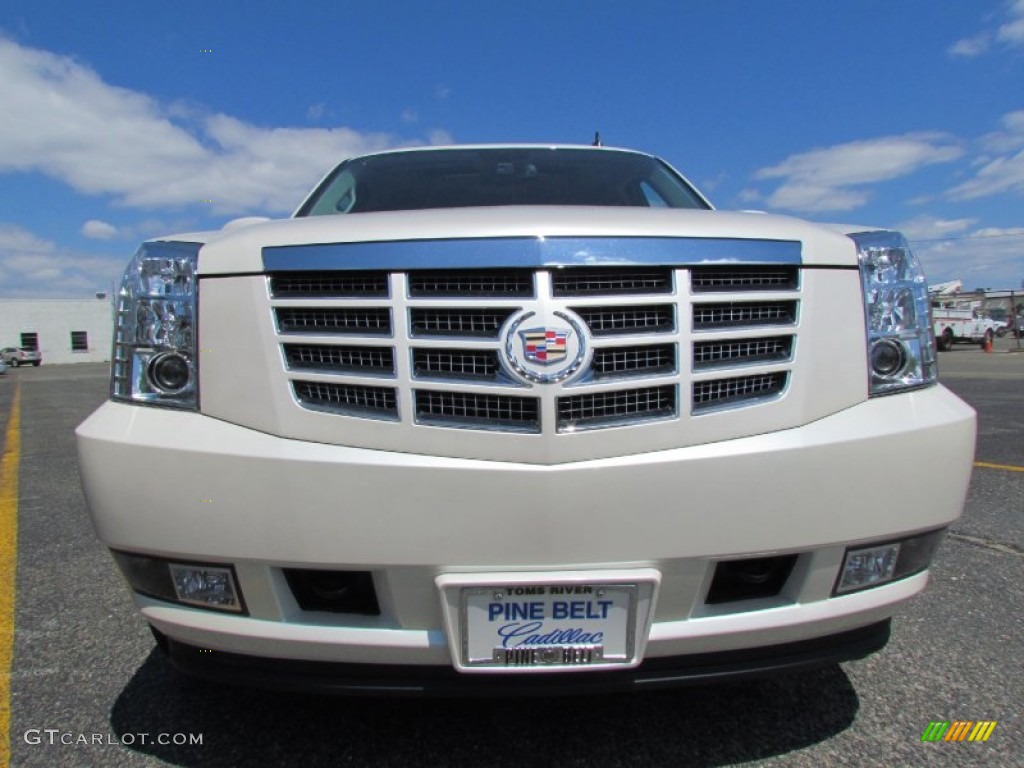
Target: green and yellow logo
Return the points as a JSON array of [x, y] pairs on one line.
[[958, 730]]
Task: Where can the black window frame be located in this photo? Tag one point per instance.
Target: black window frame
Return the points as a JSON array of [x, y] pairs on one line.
[[82, 337]]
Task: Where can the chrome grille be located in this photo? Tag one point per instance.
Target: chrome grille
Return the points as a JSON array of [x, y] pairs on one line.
[[606, 321], [737, 314], [709, 354], [615, 362], [600, 409], [610, 281], [471, 409], [719, 392], [425, 347], [379, 402], [736, 279], [322, 357], [458, 322], [466, 283], [455, 363], [328, 285], [356, 320]]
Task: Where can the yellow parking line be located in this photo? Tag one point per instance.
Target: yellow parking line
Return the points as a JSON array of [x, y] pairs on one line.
[[1007, 467], [8, 566]]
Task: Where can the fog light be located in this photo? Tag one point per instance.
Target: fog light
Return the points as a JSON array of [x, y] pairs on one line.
[[879, 564], [868, 567], [205, 585]]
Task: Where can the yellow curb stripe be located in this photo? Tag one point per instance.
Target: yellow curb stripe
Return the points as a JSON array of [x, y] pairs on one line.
[[8, 566], [1007, 467]]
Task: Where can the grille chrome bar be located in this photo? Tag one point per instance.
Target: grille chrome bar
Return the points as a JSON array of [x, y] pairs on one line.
[[475, 410], [711, 354], [343, 320], [480, 364], [616, 362], [607, 321], [743, 314], [743, 278], [459, 321], [610, 281], [598, 409], [490, 283], [716, 393], [373, 402], [328, 285], [323, 357]]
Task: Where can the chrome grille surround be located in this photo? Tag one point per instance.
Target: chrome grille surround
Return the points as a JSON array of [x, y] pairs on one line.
[[664, 343]]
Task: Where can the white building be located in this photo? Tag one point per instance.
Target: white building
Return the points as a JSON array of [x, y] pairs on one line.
[[64, 330]]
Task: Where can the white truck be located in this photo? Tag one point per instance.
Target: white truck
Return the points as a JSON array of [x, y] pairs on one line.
[[955, 325], [522, 419]]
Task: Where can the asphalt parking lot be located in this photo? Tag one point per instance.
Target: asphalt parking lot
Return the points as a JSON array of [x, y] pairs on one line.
[[84, 664]]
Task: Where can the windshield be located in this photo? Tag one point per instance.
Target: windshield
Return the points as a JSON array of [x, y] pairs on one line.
[[464, 178]]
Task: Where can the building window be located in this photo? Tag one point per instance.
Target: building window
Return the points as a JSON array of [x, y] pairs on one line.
[[30, 341], [79, 341]]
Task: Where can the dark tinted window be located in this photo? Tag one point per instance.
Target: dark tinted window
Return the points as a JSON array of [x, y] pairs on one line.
[[463, 178]]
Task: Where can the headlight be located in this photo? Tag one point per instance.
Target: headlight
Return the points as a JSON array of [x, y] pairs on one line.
[[155, 334], [901, 342]]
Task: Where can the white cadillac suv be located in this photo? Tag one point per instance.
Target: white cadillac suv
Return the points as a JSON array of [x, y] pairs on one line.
[[522, 419]]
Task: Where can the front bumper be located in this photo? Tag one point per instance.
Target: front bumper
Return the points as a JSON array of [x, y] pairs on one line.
[[182, 485], [402, 680]]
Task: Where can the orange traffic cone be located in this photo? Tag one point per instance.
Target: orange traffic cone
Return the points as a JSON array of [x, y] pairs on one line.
[[987, 346]]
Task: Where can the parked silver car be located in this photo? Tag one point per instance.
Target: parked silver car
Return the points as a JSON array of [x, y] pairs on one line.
[[15, 356]]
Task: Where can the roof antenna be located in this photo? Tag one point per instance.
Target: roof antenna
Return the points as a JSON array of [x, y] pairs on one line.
[[597, 139]]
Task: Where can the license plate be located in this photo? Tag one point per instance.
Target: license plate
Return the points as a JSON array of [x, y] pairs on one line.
[[549, 625]]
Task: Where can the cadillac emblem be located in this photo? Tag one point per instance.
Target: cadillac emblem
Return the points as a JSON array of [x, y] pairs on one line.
[[545, 346]]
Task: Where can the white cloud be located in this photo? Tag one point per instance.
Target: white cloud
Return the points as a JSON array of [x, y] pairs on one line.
[[409, 116], [61, 119], [15, 239], [29, 262], [927, 227], [831, 178], [971, 46], [1001, 168], [99, 230], [1003, 174], [316, 111], [949, 250], [1009, 137], [439, 138], [1008, 33]]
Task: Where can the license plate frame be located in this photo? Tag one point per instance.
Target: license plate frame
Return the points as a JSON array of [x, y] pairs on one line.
[[555, 625]]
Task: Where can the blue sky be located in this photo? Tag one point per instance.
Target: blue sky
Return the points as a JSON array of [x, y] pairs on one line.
[[126, 120]]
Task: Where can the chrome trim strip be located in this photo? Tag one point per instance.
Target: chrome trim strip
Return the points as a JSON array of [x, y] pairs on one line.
[[530, 252]]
